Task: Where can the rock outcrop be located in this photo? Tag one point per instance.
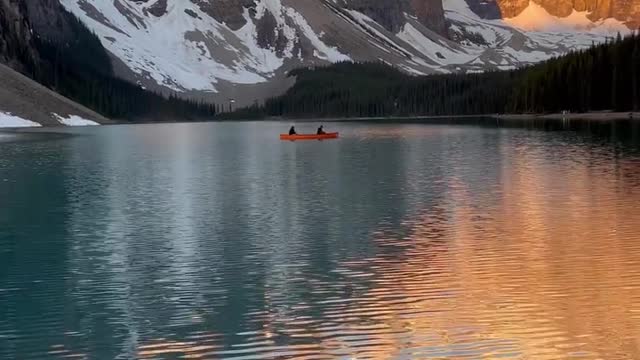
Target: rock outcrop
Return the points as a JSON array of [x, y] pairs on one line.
[[391, 13], [431, 14], [229, 12]]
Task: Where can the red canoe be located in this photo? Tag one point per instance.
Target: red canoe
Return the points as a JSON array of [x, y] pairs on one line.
[[309, 136]]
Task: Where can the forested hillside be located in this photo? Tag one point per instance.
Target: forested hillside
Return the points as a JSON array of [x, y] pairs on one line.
[[376, 89], [79, 68], [603, 77]]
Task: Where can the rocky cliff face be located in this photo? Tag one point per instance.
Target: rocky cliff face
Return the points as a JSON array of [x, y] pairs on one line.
[[21, 21], [431, 14], [388, 13], [16, 47], [32, 33], [492, 9], [391, 13], [229, 12]]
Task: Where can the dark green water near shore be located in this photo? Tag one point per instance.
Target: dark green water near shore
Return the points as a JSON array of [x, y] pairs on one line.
[[447, 239]]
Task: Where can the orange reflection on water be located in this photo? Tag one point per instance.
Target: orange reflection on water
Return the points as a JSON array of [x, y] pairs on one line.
[[60, 351], [199, 346], [405, 132], [551, 270], [535, 267]]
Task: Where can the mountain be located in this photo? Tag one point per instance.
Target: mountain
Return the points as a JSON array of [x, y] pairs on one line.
[[215, 50], [243, 49]]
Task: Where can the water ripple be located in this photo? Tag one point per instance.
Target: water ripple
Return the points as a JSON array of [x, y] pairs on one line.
[[213, 241]]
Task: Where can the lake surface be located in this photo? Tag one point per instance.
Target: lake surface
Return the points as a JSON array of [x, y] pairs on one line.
[[397, 241]]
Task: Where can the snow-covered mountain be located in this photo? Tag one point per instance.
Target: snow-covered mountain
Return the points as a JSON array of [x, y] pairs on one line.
[[243, 48]]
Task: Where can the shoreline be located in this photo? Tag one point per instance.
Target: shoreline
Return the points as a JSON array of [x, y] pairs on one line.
[[596, 115], [378, 118]]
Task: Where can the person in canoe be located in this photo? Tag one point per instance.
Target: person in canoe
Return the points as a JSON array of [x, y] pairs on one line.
[[292, 131], [321, 130]]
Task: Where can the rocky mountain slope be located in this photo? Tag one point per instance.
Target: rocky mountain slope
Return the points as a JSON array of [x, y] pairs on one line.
[[220, 49]]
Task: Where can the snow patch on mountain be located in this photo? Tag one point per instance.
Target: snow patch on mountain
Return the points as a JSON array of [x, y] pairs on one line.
[[7, 120], [440, 53], [322, 51], [158, 50], [74, 120], [262, 61], [276, 8]]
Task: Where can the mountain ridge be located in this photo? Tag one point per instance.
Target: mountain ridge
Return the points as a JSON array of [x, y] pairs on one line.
[[243, 49], [217, 50]]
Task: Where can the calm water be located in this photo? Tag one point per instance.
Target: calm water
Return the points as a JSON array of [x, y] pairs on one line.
[[217, 241]]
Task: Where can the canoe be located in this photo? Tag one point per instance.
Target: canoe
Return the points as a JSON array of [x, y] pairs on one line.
[[309, 136]]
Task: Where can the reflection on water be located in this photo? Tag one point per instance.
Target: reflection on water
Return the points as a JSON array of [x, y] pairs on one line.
[[397, 241]]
